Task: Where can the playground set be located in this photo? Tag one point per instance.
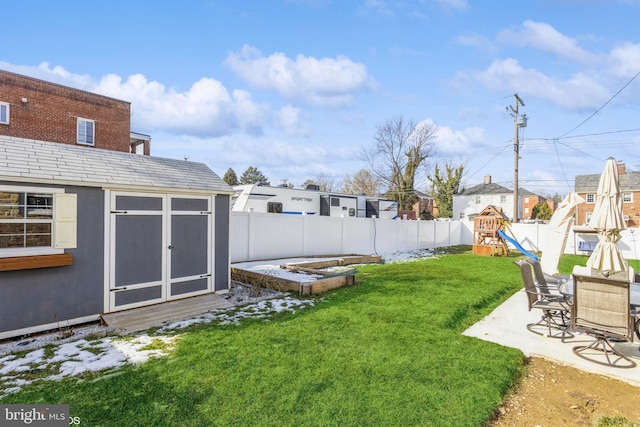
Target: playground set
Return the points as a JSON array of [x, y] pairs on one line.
[[489, 237]]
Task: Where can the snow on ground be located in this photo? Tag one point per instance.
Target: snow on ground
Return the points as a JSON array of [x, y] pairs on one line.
[[49, 358], [273, 267]]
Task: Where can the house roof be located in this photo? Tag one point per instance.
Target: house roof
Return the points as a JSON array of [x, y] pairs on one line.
[[485, 189], [629, 181], [27, 160]]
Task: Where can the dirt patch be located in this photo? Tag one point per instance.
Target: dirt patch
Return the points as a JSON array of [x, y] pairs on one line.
[[553, 394]]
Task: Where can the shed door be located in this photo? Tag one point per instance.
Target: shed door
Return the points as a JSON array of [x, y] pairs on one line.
[[190, 240], [159, 248]]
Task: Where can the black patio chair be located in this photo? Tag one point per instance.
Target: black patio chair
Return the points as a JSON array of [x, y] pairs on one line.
[[545, 282], [554, 321]]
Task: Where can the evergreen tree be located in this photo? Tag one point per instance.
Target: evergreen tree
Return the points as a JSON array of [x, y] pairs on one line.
[[541, 211], [230, 177], [253, 176]]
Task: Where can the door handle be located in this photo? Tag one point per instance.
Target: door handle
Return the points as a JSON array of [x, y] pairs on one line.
[[170, 247]]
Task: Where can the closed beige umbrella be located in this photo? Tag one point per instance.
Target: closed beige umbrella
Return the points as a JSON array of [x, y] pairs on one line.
[[608, 221]]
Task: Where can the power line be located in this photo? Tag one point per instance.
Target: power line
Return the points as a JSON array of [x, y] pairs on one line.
[[603, 105]]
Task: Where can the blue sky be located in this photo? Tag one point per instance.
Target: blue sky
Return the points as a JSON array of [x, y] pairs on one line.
[[297, 88]]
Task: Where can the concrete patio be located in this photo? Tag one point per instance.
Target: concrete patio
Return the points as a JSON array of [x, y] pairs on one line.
[[506, 326]]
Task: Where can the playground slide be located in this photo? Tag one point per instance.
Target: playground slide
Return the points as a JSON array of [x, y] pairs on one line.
[[517, 245]]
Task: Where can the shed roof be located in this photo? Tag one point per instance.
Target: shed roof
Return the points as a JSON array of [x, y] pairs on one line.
[[629, 181], [27, 160]]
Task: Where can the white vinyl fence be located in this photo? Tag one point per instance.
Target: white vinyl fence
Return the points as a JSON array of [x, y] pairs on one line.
[[258, 236]]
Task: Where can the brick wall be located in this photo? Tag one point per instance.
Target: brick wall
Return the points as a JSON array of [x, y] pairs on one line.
[[528, 203], [51, 111], [632, 209]]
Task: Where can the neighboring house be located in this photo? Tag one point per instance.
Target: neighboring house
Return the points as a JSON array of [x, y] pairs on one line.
[[425, 203], [471, 201], [529, 201], [587, 185], [36, 109], [86, 232]]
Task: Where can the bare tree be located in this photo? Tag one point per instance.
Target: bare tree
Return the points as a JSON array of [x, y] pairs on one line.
[[326, 182], [362, 181], [398, 153]]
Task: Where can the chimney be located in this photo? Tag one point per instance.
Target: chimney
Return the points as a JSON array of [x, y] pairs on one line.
[[622, 168], [487, 179]]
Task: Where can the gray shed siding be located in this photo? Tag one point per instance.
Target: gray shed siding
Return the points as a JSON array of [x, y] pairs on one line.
[[47, 295]]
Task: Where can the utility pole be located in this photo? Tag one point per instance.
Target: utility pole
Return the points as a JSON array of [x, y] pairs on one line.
[[516, 152]]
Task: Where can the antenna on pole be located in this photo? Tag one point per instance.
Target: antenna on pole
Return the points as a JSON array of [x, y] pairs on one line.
[[519, 122]]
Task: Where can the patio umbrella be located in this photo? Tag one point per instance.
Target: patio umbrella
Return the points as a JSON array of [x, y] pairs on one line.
[[555, 238], [608, 221]]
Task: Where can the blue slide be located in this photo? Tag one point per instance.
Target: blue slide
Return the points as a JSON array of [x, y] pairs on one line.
[[517, 245]]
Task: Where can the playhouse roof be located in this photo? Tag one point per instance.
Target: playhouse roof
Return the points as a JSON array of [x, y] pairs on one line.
[[27, 160], [491, 210]]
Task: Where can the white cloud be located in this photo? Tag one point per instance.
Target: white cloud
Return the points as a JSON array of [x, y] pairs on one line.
[[288, 119], [577, 92], [625, 60], [206, 109], [328, 82], [450, 141], [543, 36]]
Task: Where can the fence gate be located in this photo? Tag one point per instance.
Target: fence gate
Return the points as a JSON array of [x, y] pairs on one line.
[[160, 248]]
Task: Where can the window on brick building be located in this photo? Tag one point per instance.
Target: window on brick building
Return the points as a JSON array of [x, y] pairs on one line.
[[36, 221], [86, 132], [591, 198], [4, 113], [627, 197]]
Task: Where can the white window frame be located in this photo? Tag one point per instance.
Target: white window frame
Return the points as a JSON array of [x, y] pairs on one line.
[[478, 200], [627, 197], [7, 113], [63, 223], [588, 217], [503, 199], [83, 123], [590, 198]]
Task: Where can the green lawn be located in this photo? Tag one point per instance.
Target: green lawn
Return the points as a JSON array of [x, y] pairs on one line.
[[388, 351]]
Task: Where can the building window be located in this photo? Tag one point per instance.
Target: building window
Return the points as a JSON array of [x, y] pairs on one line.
[[86, 132], [29, 224], [526, 210], [503, 199], [526, 200], [589, 215], [478, 200], [627, 197], [4, 113], [591, 198]]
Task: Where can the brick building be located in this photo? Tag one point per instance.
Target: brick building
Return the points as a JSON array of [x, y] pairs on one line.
[[35, 109], [587, 185]]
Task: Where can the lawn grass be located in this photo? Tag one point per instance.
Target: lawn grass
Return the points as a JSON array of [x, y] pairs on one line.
[[388, 351]]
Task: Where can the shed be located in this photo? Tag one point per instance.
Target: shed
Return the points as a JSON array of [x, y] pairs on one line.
[[85, 232]]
